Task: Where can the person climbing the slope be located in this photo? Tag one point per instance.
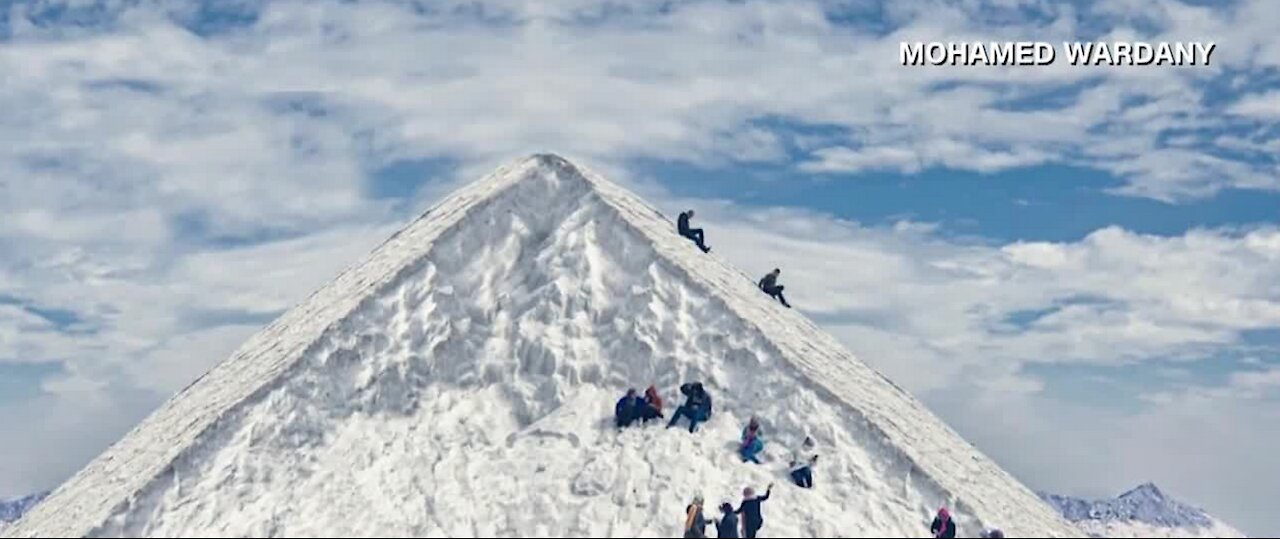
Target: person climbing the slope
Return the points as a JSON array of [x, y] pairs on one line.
[[752, 444], [727, 526], [943, 526], [652, 405], [628, 410], [695, 525], [752, 518], [769, 284], [993, 533], [696, 407], [695, 234], [802, 462]]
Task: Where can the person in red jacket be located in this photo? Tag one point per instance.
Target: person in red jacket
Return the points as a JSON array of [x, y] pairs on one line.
[[653, 405], [943, 527]]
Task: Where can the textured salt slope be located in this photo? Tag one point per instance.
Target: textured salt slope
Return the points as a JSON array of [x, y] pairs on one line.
[[460, 382]]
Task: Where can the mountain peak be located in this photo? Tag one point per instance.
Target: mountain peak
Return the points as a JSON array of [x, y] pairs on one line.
[[538, 166], [549, 159], [1144, 505], [1144, 491], [461, 381]]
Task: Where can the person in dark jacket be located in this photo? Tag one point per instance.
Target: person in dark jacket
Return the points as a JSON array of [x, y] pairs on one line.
[[628, 410], [696, 407], [695, 525], [727, 526], [769, 284], [752, 519], [695, 234], [943, 526]]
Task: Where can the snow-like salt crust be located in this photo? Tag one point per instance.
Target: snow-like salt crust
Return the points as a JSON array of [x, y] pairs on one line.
[[461, 382]]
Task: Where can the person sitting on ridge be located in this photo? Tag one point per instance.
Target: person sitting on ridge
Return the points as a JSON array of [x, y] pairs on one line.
[[696, 407], [769, 284], [652, 405], [752, 445], [628, 410], [695, 234]]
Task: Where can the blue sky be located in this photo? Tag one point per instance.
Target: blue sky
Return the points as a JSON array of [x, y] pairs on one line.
[[1037, 253]]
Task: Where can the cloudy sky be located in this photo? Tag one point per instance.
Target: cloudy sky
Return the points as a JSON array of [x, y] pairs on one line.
[[1075, 267]]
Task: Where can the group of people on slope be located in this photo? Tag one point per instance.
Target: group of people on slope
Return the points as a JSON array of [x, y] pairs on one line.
[[695, 524], [802, 463], [768, 284], [697, 408], [802, 460], [752, 517], [633, 408]]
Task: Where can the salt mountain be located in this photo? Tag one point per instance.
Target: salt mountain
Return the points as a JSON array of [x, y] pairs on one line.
[[461, 381]]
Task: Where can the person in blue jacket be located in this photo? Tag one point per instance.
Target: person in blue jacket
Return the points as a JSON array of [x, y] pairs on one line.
[[695, 234], [752, 444], [629, 409], [752, 519], [696, 407]]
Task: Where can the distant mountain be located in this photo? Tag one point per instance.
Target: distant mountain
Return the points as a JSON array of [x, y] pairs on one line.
[[11, 510], [1145, 511]]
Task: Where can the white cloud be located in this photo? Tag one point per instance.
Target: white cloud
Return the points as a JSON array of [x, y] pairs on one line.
[[28, 338], [839, 159], [1107, 298], [688, 82], [1262, 106], [1255, 383]]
